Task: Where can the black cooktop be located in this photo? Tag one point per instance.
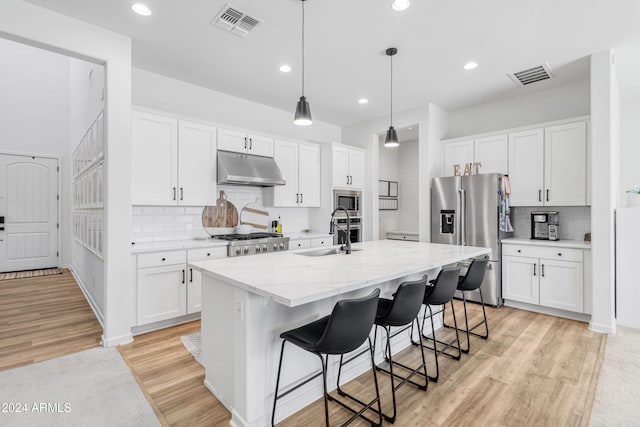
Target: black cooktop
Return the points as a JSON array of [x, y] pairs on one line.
[[250, 236]]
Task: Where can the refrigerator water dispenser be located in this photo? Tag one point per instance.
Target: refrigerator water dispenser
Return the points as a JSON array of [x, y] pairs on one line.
[[447, 219]]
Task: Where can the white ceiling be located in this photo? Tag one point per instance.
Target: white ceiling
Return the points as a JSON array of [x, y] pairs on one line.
[[346, 40]]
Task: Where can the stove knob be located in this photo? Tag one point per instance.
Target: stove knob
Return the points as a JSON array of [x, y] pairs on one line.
[[275, 246], [238, 251], [246, 251], [265, 248], [258, 249], [281, 246]]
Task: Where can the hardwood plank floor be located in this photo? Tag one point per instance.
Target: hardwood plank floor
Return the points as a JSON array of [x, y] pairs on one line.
[[172, 380], [42, 318], [533, 370]]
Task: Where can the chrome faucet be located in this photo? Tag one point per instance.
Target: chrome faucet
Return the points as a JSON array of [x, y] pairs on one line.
[[332, 225]]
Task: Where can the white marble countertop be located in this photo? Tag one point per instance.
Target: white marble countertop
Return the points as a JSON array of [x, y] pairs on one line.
[[576, 244], [292, 279], [177, 245], [303, 235]]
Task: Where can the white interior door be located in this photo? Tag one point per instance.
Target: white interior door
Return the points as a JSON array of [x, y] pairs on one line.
[[29, 207]]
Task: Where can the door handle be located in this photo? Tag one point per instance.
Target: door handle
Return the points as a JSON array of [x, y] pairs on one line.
[[181, 193], [191, 275], [347, 179], [183, 276], [297, 198], [174, 193], [534, 269], [245, 142], [300, 197], [250, 143], [542, 268], [547, 195], [539, 195]]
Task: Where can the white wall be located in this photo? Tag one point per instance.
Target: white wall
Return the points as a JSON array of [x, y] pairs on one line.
[[630, 147], [555, 103], [408, 186], [365, 135], [605, 123], [185, 99], [388, 170], [38, 26], [34, 116]]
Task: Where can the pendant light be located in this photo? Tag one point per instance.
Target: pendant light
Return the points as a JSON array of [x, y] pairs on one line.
[[391, 140], [303, 112]]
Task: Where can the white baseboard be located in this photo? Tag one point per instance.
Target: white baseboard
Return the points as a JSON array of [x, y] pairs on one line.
[[580, 317], [602, 328], [150, 327], [114, 341], [88, 297]]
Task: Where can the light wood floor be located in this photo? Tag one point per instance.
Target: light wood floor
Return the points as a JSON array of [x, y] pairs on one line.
[[42, 318], [534, 370]]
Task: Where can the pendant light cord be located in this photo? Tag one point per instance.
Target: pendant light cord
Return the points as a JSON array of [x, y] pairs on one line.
[[391, 97], [303, 47]]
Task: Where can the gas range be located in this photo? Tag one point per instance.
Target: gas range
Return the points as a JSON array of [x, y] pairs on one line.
[[254, 243]]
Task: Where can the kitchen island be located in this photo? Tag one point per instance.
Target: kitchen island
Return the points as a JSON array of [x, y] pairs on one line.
[[248, 301]]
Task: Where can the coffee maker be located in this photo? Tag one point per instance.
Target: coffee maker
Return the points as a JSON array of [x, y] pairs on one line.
[[544, 225]]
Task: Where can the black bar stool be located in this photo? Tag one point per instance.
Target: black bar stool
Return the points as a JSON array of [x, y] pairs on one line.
[[471, 281], [401, 311], [343, 331], [440, 293]]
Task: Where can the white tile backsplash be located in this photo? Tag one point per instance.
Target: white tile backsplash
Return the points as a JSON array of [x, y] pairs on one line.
[[156, 223], [575, 221]]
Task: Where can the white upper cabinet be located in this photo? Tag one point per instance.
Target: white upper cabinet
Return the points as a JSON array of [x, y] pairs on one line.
[[455, 155], [526, 167], [155, 159], [243, 142], [196, 164], [300, 167], [348, 167], [565, 150], [490, 153], [173, 161], [548, 167]]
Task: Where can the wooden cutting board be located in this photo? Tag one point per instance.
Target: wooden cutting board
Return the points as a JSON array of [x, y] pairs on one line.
[[223, 214]]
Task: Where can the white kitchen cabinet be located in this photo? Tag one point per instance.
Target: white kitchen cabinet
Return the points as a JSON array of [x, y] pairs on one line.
[[348, 167], [526, 167], [155, 159], [456, 153], [300, 167], [319, 242], [544, 275], [565, 152], [162, 293], [547, 167], [173, 161], [491, 154], [194, 277], [244, 142], [299, 244]]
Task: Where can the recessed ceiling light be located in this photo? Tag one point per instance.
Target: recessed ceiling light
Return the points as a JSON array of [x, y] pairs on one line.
[[363, 101], [285, 68], [409, 128], [141, 9], [470, 65], [400, 4]]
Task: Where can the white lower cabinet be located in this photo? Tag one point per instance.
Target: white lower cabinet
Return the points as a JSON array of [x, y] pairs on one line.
[[310, 242], [167, 286], [552, 277], [162, 293]]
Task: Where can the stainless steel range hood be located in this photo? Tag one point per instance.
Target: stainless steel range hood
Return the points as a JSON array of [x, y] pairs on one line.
[[247, 169]]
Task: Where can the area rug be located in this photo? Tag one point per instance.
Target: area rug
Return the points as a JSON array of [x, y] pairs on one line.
[[29, 273], [90, 388], [192, 343], [617, 399]]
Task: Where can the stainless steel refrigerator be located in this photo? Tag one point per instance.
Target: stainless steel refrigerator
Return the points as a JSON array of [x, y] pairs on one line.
[[465, 210]]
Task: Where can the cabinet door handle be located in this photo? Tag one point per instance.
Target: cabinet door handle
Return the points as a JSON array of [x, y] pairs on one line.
[[547, 195], [164, 259], [208, 254], [534, 269], [347, 179], [539, 195], [181, 193], [174, 193], [245, 142], [297, 198], [250, 143], [183, 276], [542, 268], [191, 275], [300, 197], [351, 179], [559, 253]]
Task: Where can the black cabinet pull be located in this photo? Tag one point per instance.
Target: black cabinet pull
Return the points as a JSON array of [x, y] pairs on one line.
[[347, 179], [183, 276], [542, 270], [174, 193], [539, 195], [519, 251], [245, 142], [534, 269], [208, 254], [164, 259], [250, 143], [300, 197], [297, 198], [547, 195], [191, 275], [181, 193], [559, 253]]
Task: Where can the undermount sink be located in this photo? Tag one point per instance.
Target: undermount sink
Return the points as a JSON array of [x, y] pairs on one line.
[[324, 252]]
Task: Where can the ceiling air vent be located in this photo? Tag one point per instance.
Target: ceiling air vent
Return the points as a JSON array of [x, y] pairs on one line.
[[532, 75], [235, 20]]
